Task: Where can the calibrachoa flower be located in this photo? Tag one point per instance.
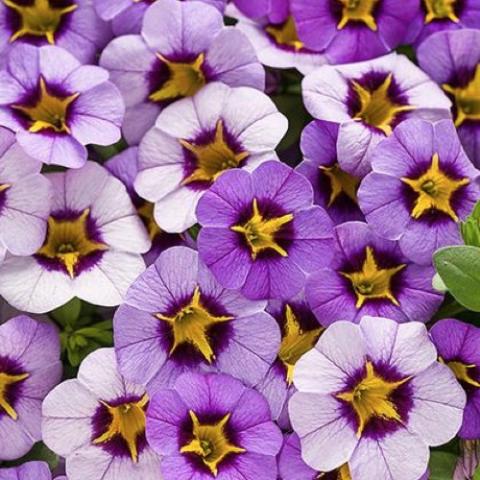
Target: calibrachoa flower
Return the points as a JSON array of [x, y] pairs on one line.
[[452, 59], [29, 368], [196, 139], [71, 24], [457, 345], [92, 250], [424, 181], [182, 47], [25, 198], [261, 234], [176, 317], [334, 189], [350, 31], [373, 395], [370, 276], [97, 421], [368, 100], [56, 106], [212, 426], [29, 471]]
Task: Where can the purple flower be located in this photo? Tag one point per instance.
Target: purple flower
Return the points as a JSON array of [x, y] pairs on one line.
[[28, 471], [334, 189], [452, 59], [468, 461], [424, 181], [352, 31], [97, 421], [29, 368], [92, 249], [56, 106], [196, 139], [373, 395], [368, 100], [457, 345], [182, 47], [370, 276], [212, 426], [261, 234]]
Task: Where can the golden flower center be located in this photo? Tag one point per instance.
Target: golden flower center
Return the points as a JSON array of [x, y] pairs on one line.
[[286, 34], [260, 232], [68, 241], [440, 10], [463, 373], [127, 421], [210, 442], [358, 11], [467, 99], [373, 282], [340, 182], [213, 158], [146, 214], [191, 325], [434, 190], [185, 79], [39, 18], [371, 398], [6, 380]]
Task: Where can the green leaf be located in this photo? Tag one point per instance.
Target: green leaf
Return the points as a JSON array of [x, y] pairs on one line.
[[476, 475], [67, 314], [442, 465], [194, 231], [39, 452], [438, 284], [459, 268], [470, 228]]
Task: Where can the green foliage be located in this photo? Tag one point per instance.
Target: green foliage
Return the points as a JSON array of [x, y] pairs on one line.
[[39, 452], [442, 465], [194, 231], [470, 228]]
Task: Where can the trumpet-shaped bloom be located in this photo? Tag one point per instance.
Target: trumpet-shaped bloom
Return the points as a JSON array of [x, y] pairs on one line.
[[372, 394]]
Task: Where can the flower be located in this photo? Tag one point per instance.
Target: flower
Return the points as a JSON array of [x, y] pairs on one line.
[[92, 249], [371, 394], [56, 106], [368, 100], [23, 216], [452, 59], [212, 426], [97, 421], [28, 471], [196, 139], [423, 179], [468, 461], [177, 318], [370, 276], [182, 47], [261, 233], [334, 189], [72, 25], [352, 31], [457, 345], [29, 368]]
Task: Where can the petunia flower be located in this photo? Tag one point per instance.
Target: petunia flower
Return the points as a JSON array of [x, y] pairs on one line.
[[261, 232], [92, 249], [29, 471], [213, 427], [368, 100], [196, 139], [29, 368], [452, 59], [177, 318], [181, 48], [373, 395], [56, 106], [423, 180], [370, 276], [97, 422]]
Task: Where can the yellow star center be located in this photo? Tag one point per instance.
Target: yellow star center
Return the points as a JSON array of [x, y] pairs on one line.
[[39, 18], [435, 189], [260, 232], [6, 380], [210, 443], [340, 182], [146, 214], [213, 158], [295, 342], [440, 10], [68, 241], [462, 372], [372, 398], [467, 99], [185, 79], [286, 34], [373, 282], [191, 325], [358, 11], [49, 112], [127, 421]]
